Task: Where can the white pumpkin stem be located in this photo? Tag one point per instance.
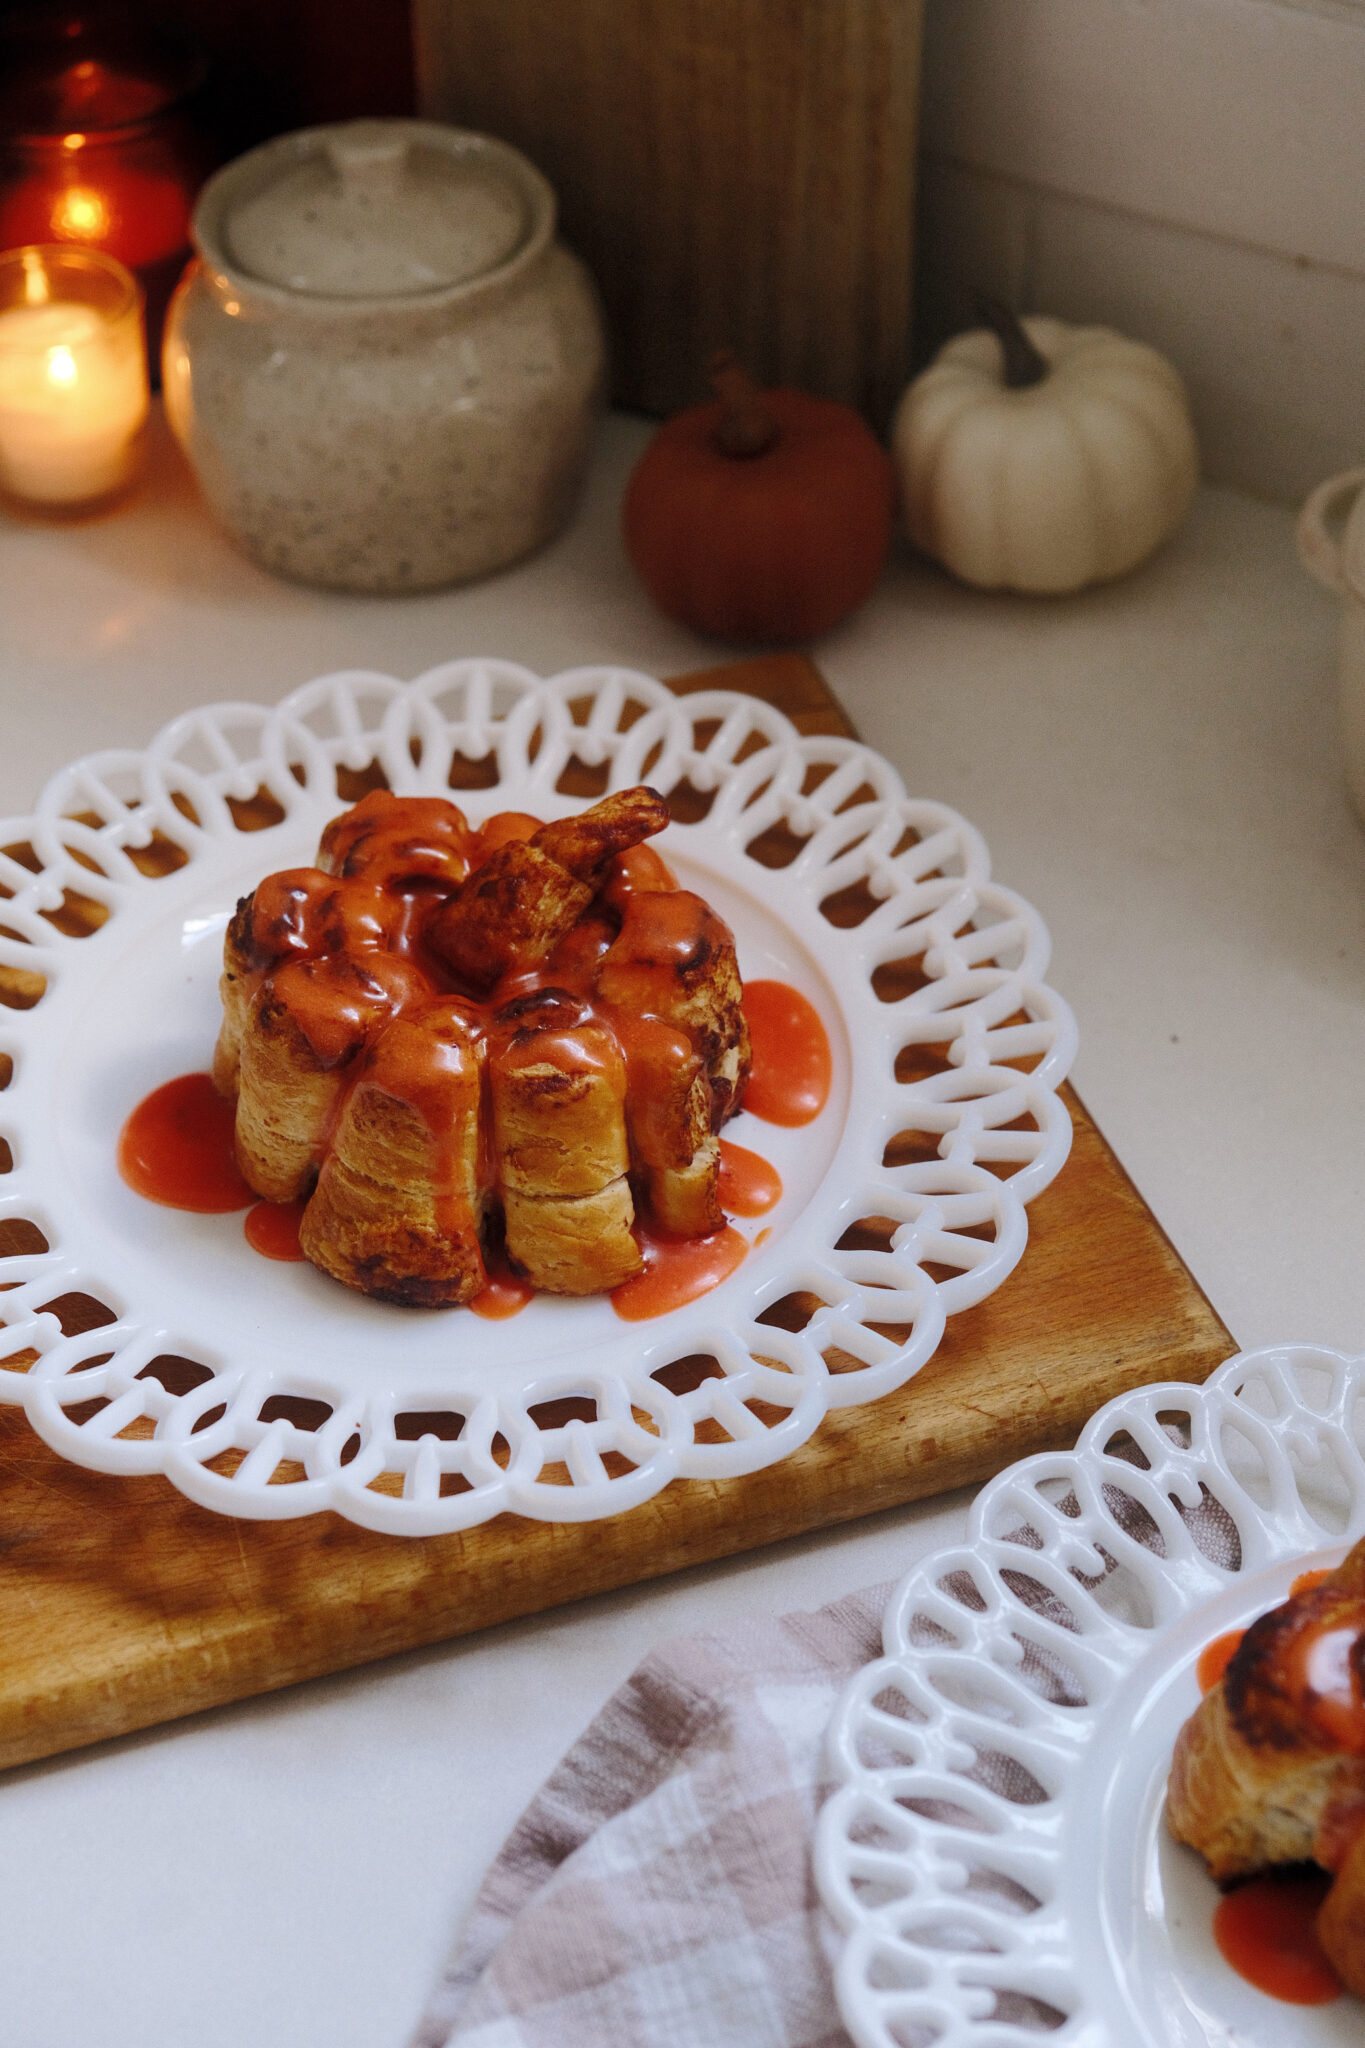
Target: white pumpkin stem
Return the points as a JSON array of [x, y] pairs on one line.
[[746, 427], [1024, 364]]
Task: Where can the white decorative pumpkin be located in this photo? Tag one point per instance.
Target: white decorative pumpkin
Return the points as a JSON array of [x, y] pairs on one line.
[[1041, 457]]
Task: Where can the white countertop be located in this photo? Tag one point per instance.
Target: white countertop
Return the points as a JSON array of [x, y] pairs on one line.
[[1154, 766]]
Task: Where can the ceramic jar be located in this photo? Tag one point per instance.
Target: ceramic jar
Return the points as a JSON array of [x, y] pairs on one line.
[[1331, 537], [383, 367]]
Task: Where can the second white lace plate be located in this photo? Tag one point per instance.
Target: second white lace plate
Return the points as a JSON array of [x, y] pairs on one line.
[[996, 1855]]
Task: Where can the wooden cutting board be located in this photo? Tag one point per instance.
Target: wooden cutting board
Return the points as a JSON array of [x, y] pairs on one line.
[[122, 1604]]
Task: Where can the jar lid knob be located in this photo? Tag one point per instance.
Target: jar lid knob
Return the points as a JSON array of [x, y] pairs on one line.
[[368, 157]]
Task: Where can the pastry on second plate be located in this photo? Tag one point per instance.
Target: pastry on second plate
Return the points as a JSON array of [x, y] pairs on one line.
[[1270, 1768]]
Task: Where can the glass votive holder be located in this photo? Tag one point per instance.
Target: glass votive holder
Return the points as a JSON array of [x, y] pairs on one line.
[[73, 376], [106, 134]]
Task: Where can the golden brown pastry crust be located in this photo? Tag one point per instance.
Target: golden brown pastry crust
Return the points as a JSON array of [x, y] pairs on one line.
[[512, 912], [674, 959], [588, 840], [610, 1087], [559, 1110], [1245, 1807], [559, 1138], [1341, 1920], [1254, 1773], [302, 1028], [685, 1200], [399, 1201], [576, 1244], [528, 895], [1262, 1775]]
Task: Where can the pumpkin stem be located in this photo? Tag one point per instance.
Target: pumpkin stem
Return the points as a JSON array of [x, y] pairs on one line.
[[746, 427], [1024, 364]]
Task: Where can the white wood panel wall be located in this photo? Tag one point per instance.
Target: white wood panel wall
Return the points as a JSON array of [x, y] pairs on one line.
[[1192, 171]]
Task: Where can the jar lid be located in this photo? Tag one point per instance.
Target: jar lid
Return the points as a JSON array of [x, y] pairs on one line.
[[377, 209]]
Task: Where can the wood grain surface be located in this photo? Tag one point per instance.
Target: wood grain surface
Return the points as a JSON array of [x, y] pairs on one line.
[[122, 1604], [735, 173]]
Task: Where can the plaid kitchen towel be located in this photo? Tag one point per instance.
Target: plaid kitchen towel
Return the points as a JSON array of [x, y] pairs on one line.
[[657, 1893]]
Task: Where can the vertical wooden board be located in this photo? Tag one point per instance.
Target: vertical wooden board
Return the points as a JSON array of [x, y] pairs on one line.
[[736, 173]]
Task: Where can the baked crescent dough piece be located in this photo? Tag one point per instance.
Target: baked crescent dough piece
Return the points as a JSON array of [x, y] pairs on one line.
[[587, 841], [438, 1031], [304, 1026], [512, 912], [1270, 1768], [673, 958], [558, 1087], [297, 913], [669, 1109], [399, 1200], [399, 839], [528, 895], [673, 961], [1341, 1918]]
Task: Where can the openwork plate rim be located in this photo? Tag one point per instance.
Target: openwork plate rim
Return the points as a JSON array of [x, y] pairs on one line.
[[999, 1772], [261, 1436]]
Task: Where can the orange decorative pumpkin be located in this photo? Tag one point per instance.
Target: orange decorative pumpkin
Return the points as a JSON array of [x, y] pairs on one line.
[[760, 515]]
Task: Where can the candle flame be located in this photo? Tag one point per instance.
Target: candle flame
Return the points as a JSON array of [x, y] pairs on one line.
[[81, 213], [61, 366]]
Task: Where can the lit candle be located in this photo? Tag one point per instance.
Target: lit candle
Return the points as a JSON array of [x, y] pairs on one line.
[[106, 136], [73, 376]]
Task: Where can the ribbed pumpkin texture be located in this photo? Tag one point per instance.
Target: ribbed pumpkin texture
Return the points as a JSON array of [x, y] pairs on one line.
[[1043, 457]]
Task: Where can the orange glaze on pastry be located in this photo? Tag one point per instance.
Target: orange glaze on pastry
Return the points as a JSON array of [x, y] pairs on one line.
[[272, 1229], [1323, 1671], [176, 1148], [503, 1294], [353, 970], [790, 1079], [1268, 1785], [337, 1002], [1215, 1658], [1268, 1931], [676, 1271], [749, 1186]]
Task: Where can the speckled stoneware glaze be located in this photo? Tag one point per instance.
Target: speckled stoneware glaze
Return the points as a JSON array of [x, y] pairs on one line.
[[382, 365]]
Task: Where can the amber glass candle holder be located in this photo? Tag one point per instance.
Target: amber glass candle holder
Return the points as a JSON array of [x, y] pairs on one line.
[[73, 377], [102, 143]]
